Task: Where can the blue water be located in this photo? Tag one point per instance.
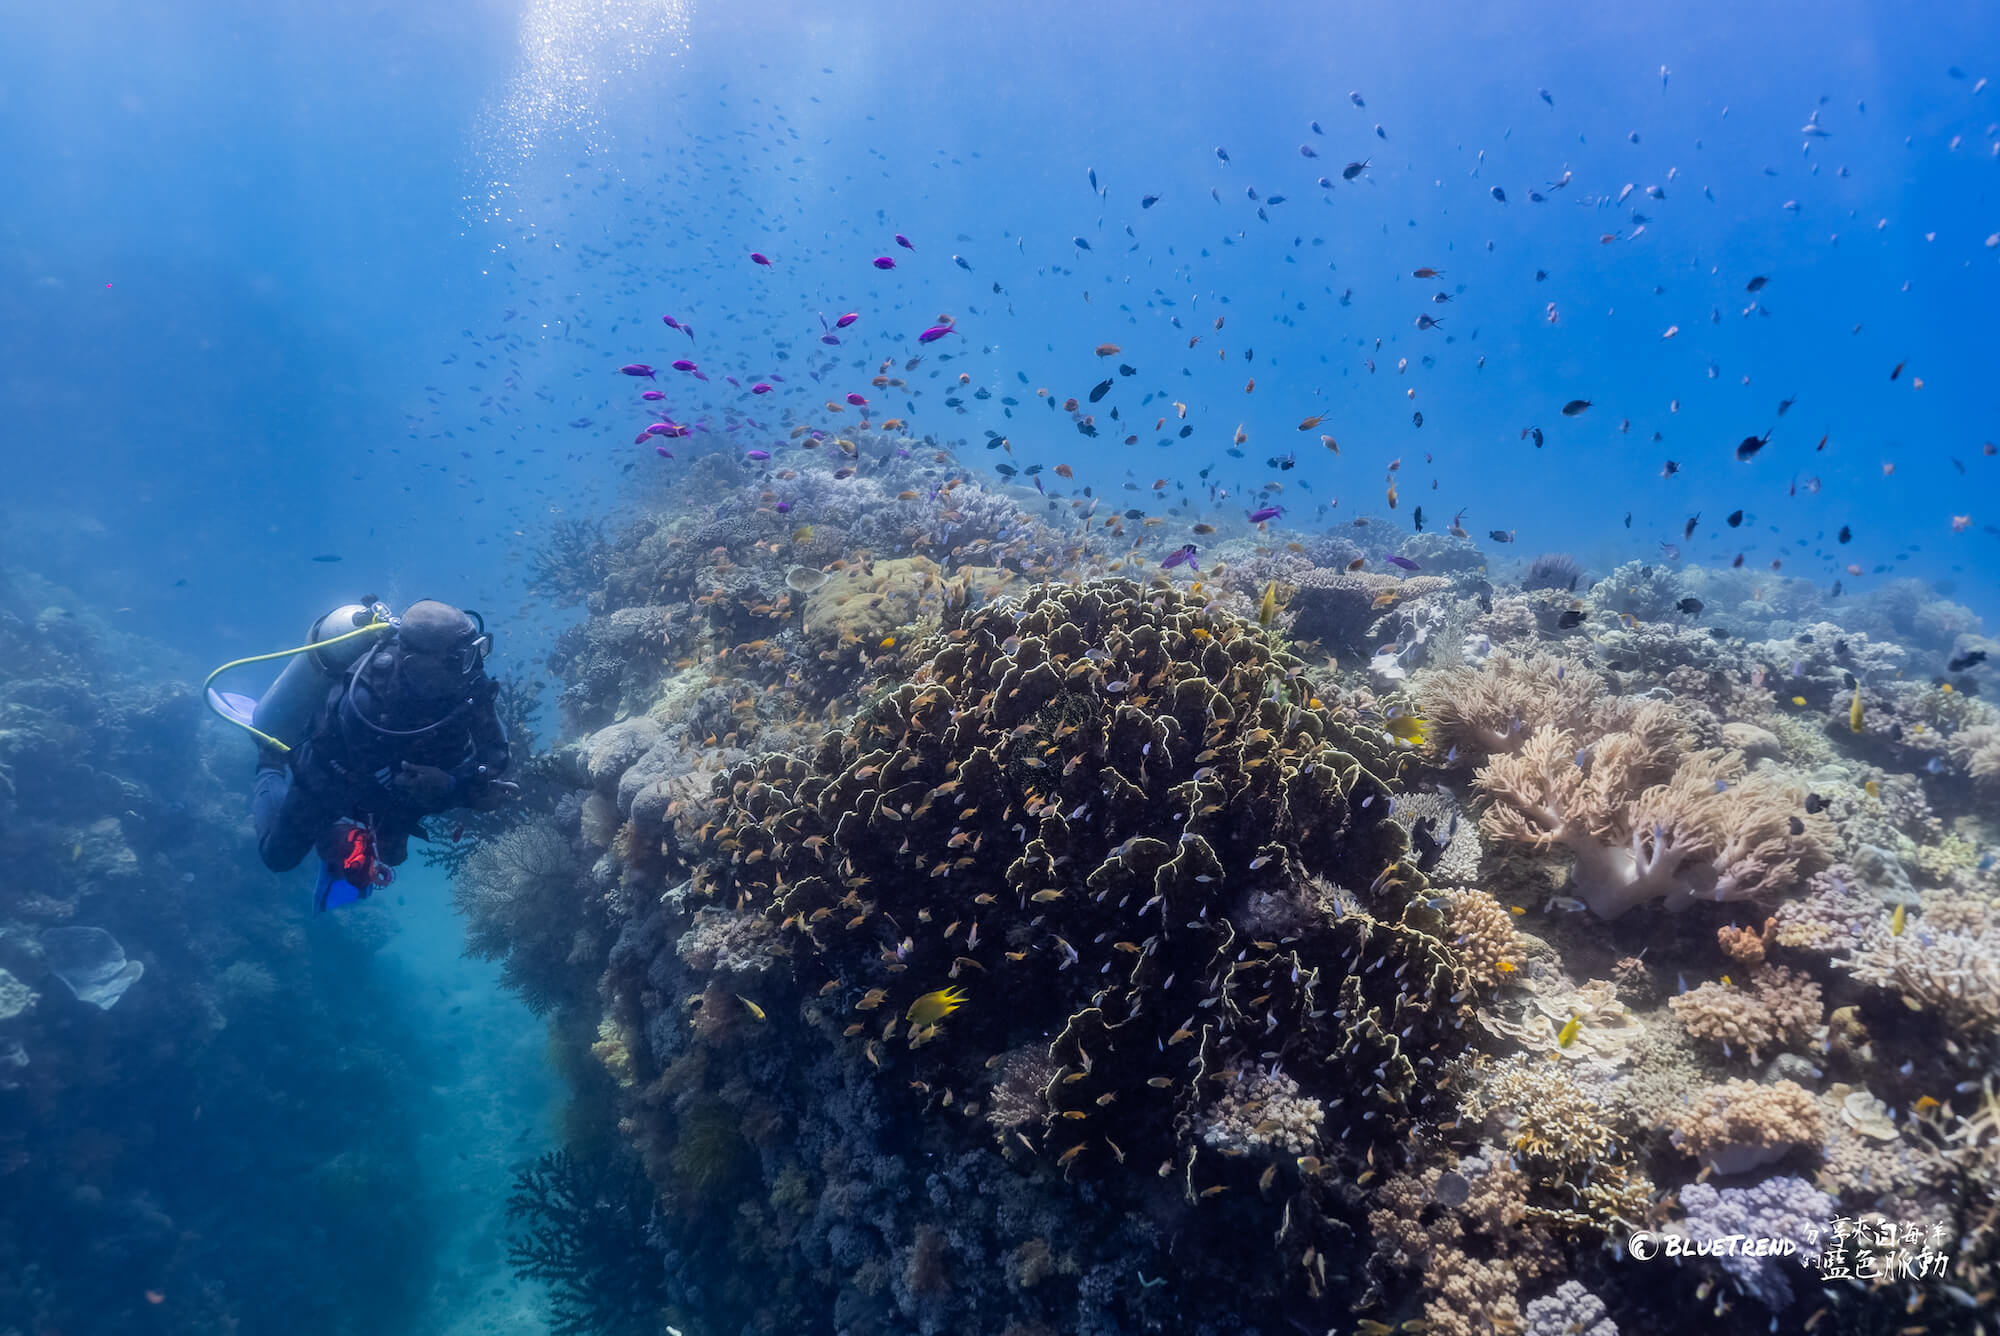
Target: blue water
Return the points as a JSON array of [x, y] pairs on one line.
[[284, 282]]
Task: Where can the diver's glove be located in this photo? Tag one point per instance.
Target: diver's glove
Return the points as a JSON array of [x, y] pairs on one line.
[[425, 785]]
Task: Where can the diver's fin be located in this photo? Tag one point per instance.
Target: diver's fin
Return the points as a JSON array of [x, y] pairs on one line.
[[233, 706], [332, 890]]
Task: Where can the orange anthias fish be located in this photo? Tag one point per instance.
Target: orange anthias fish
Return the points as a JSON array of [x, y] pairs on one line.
[[1107, 350], [1311, 422]]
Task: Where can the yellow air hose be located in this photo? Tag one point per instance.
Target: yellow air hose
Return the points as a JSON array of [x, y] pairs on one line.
[[209, 696]]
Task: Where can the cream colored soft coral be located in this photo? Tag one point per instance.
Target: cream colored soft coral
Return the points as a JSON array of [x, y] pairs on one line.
[[1496, 708], [1705, 833], [1740, 1125]]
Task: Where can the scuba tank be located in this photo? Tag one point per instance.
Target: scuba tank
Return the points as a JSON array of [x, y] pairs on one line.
[[285, 712]]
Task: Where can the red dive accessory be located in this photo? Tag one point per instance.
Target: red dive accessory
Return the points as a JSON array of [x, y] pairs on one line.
[[353, 871]]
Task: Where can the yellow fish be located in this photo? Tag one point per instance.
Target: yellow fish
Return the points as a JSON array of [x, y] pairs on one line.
[[1798, 700], [1408, 728], [1567, 1035], [755, 1010], [1896, 921], [934, 1007], [1872, 789], [1269, 607], [1854, 710]]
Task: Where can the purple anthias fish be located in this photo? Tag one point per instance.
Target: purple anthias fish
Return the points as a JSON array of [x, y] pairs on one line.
[[1263, 513], [636, 369], [829, 338], [1404, 562], [759, 455], [761, 387], [859, 401], [652, 396], [663, 452], [683, 365], [847, 320], [934, 333], [758, 257], [884, 262], [905, 242], [661, 429], [1183, 556], [733, 381]]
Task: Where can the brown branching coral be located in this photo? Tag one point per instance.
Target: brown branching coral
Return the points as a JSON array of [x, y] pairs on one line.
[[1779, 1009], [1953, 974], [1481, 931], [1566, 1143], [1465, 1229], [1740, 1125], [1707, 832]]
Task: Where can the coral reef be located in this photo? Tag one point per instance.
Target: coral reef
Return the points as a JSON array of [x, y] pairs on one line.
[[980, 915]]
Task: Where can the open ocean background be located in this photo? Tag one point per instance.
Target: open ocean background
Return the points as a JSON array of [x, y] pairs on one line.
[[297, 281]]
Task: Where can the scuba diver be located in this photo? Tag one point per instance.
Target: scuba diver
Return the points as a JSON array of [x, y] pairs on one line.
[[378, 722]]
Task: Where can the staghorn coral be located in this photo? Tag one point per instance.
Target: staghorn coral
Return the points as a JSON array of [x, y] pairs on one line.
[[1706, 833], [1780, 1008], [1740, 1125]]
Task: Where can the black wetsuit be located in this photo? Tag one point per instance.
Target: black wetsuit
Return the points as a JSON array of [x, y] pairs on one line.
[[368, 726]]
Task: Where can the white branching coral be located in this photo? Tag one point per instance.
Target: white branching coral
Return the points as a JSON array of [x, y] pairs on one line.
[[1262, 1113], [1703, 832], [1954, 974]]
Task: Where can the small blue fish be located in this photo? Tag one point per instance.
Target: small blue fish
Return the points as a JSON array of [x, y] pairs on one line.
[[1403, 562]]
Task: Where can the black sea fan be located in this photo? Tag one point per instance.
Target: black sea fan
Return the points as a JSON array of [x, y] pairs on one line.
[[1552, 570], [586, 1220]]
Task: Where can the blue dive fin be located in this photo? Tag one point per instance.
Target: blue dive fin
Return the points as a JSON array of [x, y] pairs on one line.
[[332, 890], [233, 706]]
